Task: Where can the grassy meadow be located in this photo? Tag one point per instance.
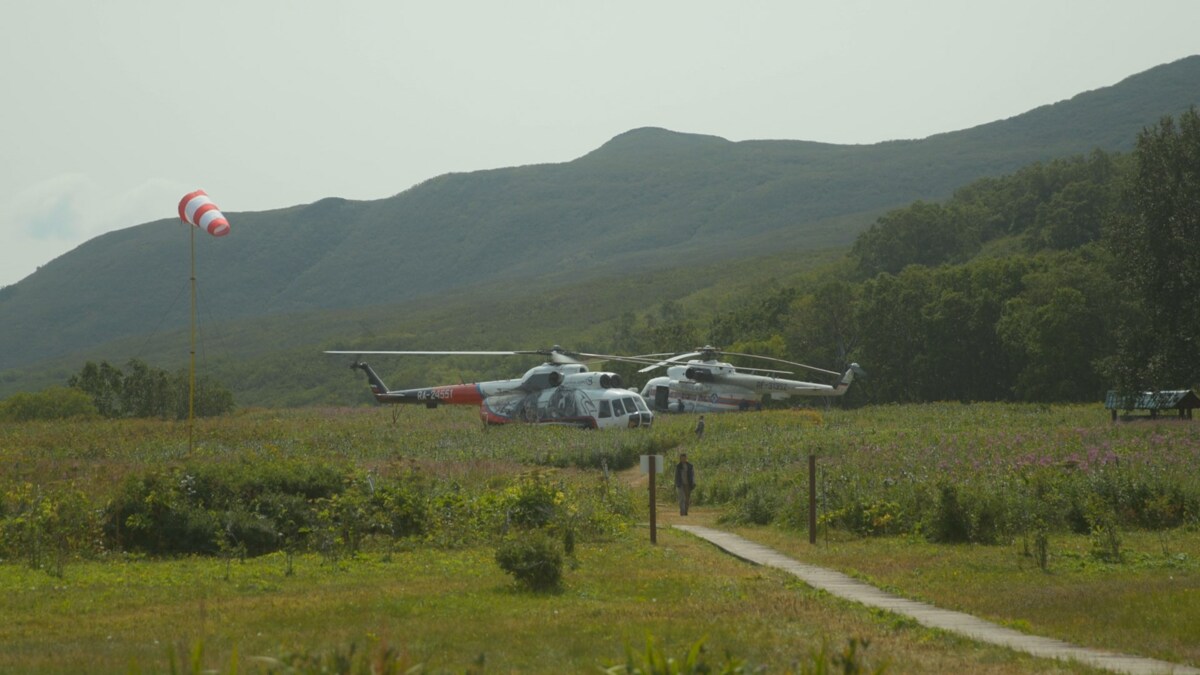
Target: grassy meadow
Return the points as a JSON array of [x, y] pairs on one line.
[[1048, 519]]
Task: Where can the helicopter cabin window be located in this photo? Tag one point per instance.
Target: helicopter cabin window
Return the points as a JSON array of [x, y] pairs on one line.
[[618, 409], [605, 409]]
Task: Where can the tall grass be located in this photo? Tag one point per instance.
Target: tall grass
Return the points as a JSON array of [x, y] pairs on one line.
[[398, 517], [982, 473]]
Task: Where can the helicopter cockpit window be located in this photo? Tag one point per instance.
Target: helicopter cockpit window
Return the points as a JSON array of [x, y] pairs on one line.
[[618, 409], [605, 409], [630, 405], [641, 405]]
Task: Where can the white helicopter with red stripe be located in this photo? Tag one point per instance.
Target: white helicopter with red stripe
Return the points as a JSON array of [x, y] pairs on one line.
[[561, 391], [705, 384]]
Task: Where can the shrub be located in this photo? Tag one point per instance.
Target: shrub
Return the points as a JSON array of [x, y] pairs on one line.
[[402, 508], [54, 403], [533, 502], [46, 526], [534, 559], [253, 507], [950, 522], [757, 507], [1041, 548], [152, 514], [1106, 540], [248, 533]]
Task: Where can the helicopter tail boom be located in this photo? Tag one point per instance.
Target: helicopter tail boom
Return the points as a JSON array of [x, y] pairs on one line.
[[430, 397], [844, 384], [378, 388]]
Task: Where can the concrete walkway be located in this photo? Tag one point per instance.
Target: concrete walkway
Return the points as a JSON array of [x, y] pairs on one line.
[[973, 627]]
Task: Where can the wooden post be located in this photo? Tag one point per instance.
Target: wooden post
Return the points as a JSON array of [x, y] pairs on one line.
[[812, 498], [653, 509]]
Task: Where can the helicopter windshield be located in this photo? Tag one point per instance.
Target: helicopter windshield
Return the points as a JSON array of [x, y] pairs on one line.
[[618, 409]]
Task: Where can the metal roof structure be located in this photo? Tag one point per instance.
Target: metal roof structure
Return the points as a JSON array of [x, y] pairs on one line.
[[1179, 399]]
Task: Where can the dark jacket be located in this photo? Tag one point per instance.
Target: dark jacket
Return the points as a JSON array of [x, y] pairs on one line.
[[685, 475]]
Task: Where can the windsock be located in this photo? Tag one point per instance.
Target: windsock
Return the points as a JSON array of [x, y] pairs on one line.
[[199, 210]]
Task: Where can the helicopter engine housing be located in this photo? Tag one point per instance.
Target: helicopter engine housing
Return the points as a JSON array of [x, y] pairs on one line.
[[536, 381], [602, 380]]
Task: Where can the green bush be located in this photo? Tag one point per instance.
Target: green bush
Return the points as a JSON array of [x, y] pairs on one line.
[[149, 514], [757, 506], [950, 522], [248, 533], [46, 525], [533, 502], [534, 559], [403, 507], [254, 507], [54, 403]]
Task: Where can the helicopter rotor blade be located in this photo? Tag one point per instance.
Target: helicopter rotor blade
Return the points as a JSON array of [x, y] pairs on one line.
[[673, 359], [790, 363], [555, 354], [421, 353]]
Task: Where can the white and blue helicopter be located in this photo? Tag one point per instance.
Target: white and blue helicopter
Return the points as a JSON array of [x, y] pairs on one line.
[[561, 391], [698, 382]]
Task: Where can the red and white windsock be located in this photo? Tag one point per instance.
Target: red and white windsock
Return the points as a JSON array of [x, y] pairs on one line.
[[199, 210]]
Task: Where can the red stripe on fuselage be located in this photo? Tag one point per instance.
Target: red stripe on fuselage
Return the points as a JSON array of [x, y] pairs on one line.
[[455, 394]]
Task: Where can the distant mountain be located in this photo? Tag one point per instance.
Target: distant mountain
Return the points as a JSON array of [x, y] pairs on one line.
[[648, 199]]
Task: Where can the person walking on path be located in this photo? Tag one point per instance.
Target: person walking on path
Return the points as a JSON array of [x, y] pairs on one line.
[[700, 428], [685, 482]]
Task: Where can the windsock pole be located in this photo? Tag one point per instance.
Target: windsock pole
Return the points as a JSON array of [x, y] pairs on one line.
[[192, 359], [198, 210]]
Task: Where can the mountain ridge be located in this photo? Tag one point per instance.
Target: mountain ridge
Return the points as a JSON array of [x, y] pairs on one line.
[[649, 198]]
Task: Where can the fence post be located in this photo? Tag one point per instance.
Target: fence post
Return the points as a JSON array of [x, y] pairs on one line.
[[653, 504], [812, 498]]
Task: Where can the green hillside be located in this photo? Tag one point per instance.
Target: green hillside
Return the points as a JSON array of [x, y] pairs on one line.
[[651, 205]]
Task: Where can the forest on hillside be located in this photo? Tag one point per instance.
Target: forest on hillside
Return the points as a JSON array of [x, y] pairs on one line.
[[1054, 283]]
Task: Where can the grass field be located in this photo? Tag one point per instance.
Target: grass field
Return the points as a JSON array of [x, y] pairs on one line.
[[444, 603], [1148, 605], [453, 611]]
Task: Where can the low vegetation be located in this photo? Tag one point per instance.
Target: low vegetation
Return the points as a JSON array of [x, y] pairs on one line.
[[310, 535], [981, 473]]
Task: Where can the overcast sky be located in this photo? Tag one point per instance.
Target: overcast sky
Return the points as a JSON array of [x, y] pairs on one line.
[[113, 110]]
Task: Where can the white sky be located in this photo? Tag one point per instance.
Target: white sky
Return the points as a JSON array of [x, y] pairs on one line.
[[112, 110]]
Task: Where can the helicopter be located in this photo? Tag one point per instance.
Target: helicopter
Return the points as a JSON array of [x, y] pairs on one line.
[[561, 391], [705, 384]]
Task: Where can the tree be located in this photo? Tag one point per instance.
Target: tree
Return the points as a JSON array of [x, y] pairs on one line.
[[821, 326], [1061, 325], [1071, 218], [211, 397], [674, 329], [148, 392], [1156, 243], [920, 234], [930, 334], [105, 384], [893, 335]]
